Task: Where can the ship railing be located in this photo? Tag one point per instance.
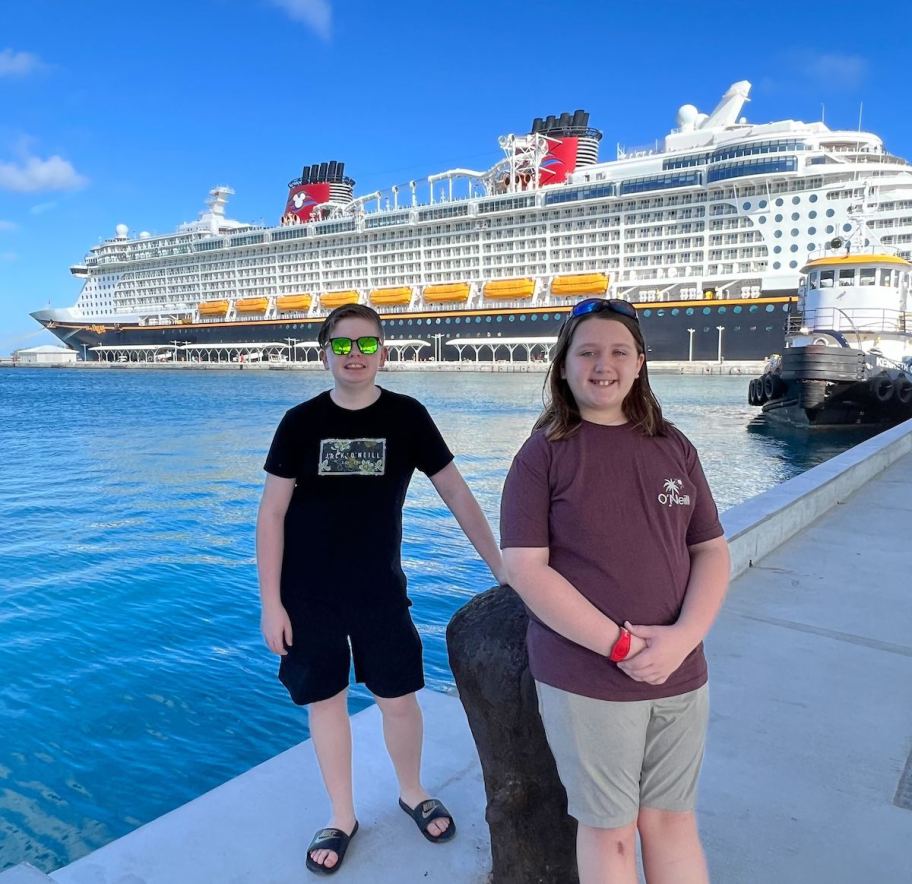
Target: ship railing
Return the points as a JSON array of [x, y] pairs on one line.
[[856, 321]]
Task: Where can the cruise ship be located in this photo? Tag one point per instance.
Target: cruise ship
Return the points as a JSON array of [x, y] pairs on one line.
[[705, 232]]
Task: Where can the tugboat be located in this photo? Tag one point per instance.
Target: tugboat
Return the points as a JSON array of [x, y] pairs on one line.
[[848, 346]]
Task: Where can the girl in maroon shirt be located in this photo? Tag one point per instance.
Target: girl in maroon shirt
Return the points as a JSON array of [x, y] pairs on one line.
[[612, 539]]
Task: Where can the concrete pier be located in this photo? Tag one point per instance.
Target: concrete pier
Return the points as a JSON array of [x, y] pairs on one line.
[[808, 772]]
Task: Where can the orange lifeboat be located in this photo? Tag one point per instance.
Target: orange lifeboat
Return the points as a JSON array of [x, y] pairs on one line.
[[509, 289], [213, 308], [337, 299], [251, 305], [293, 302], [579, 284], [447, 291], [391, 296]]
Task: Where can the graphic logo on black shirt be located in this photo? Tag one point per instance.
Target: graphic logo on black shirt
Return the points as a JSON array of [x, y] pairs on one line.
[[352, 457], [672, 495]]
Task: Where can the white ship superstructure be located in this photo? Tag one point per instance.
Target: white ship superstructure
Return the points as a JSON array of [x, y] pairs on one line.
[[719, 210]]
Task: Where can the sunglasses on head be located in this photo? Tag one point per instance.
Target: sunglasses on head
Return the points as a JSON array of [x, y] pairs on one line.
[[367, 345], [602, 305]]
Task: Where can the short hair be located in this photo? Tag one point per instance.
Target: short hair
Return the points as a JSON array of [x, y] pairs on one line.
[[561, 418], [347, 311]]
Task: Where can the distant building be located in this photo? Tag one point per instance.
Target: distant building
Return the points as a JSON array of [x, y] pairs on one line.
[[46, 354]]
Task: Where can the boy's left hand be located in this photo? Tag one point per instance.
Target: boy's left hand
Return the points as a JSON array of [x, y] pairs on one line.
[[666, 648]]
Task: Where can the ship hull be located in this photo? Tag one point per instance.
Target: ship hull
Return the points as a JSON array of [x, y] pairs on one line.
[[751, 330]]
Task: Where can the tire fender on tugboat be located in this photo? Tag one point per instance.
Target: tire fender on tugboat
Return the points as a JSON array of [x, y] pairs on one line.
[[882, 388], [902, 391]]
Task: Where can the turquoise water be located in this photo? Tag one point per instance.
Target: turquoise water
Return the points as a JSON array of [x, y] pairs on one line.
[[134, 677]]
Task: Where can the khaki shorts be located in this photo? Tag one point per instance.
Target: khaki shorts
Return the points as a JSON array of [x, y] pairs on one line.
[[614, 758]]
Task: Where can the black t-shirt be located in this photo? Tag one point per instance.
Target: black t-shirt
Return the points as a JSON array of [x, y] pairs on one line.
[[343, 528]]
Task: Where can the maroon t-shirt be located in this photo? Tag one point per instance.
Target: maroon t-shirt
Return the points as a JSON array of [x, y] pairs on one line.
[[617, 510]]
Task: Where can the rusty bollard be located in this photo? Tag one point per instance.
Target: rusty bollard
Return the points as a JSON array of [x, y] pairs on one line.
[[533, 840]]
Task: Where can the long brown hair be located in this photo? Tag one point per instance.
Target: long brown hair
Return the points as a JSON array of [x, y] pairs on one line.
[[560, 418]]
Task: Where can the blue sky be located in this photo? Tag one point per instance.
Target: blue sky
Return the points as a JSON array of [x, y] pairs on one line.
[[119, 112]]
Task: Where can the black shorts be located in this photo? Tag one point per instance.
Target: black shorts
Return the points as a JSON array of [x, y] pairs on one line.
[[385, 646]]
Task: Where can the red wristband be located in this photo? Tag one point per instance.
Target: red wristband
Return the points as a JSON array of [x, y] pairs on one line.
[[621, 648]]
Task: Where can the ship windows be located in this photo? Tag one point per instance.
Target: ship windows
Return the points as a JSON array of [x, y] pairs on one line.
[[778, 218], [746, 207], [793, 264], [777, 234], [826, 279], [846, 227], [777, 250], [707, 311], [847, 277], [867, 276], [779, 201], [796, 200], [776, 265], [762, 219], [753, 309], [812, 198], [812, 231], [830, 213], [737, 309], [793, 247], [770, 308]]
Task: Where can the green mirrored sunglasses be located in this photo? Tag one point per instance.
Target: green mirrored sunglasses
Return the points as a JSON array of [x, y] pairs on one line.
[[367, 345]]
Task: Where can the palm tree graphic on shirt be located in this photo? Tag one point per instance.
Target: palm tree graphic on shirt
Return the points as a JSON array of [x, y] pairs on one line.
[[673, 494]]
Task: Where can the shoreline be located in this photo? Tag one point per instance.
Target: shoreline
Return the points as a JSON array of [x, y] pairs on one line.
[[747, 368]]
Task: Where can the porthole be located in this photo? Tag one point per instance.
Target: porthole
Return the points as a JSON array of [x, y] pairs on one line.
[[777, 234], [762, 219], [647, 313], [410, 322], [522, 318], [689, 311], [846, 227], [737, 309], [722, 310], [762, 204], [675, 311], [776, 265], [746, 207], [795, 216], [812, 198], [794, 231], [534, 317], [436, 321], [477, 320], [500, 318], [778, 219], [753, 308], [777, 249], [793, 247], [830, 213], [488, 318], [811, 247], [812, 231], [812, 214], [796, 200], [785, 308], [458, 320], [830, 228], [660, 312], [770, 308], [779, 201], [447, 320], [706, 311], [513, 318], [793, 264]]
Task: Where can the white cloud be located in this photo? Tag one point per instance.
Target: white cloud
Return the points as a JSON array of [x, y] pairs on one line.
[[837, 70], [41, 208], [18, 64], [7, 225], [316, 14], [34, 174]]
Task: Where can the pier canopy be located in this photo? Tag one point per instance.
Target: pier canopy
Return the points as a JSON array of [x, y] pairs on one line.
[[399, 350], [535, 349]]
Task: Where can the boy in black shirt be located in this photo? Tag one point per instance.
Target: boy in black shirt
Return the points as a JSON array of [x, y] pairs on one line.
[[329, 532]]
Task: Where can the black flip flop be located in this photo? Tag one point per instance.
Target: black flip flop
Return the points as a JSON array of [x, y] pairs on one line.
[[329, 839], [425, 813]]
